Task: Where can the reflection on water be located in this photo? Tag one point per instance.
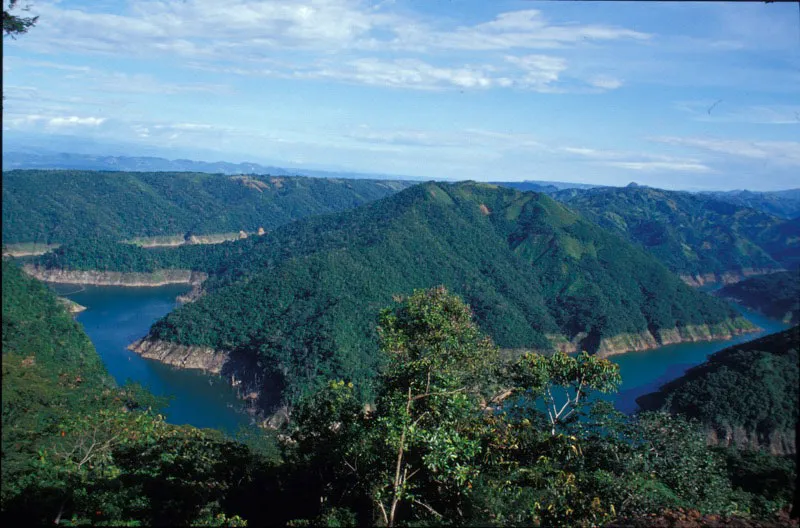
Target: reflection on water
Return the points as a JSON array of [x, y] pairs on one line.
[[117, 316]]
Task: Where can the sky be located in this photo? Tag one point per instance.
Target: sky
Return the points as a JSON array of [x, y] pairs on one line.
[[676, 95]]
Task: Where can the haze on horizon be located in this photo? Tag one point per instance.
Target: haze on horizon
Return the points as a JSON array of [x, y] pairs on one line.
[[674, 95]]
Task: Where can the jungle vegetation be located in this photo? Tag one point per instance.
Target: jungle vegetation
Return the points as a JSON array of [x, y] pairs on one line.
[[776, 295], [692, 234], [59, 206], [453, 437], [304, 298]]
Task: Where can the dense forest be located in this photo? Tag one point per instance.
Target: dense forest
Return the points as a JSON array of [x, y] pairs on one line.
[[691, 234], [454, 436], [304, 297], [776, 295], [67, 206], [785, 204], [746, 394], [78, 450]]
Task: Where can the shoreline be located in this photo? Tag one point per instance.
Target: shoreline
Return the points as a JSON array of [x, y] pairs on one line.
[[117, 278]]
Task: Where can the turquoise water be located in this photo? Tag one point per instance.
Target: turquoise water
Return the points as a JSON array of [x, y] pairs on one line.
[[645, 372], [117, 316]]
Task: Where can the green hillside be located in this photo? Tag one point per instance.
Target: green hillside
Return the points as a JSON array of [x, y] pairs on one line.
[[693, 235], [747, 394], [776, 295], [78, 450], [785, 204], [535, 273], [48, 206]]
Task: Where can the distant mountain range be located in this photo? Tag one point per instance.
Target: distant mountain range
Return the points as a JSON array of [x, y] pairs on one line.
[[698, 236], [785, 204], [34, 158], [47, 206], [41, 160]]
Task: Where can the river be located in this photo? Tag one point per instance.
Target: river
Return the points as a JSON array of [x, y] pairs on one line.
[[117, 316]]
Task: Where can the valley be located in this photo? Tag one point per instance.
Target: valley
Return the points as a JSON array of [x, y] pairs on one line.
[[394, 264], [244, 331]]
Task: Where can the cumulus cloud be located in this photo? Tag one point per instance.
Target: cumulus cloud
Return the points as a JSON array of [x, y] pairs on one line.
[[467, 139], [658, 166]]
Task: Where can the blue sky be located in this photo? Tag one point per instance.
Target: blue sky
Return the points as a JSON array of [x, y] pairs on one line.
[[675, 95]]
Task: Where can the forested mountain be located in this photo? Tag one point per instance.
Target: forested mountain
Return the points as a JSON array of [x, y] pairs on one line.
[[547, 187], [776, 295], [700, 238], [78, 450], [746, 394], [536, 274], [65, 206], [785, 204]]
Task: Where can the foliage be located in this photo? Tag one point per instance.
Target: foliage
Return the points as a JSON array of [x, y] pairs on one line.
[[15, 25], [120, 205], [692, 234], [435, 451], [752, 386], [305, 297], [77, 450], [785, 204], [776, 295], [453, 437]]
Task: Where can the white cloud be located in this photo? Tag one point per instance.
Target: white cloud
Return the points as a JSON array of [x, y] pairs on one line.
[[775, 152], [76, 121], [638, 161], [467, 139], [525, 29], [605, 82], [405, 73], [348, 40], [657, 166], [22, 121]]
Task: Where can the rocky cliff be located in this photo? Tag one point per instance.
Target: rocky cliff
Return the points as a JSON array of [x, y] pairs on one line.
[[729, 277], [182, 356], [776, 442], [646, 340], [116, 278]]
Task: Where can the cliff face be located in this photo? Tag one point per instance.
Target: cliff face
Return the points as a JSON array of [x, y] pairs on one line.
[[240, 369], [777, 443], [116, 278], [71, 306], [182, 356], [646, 340], [729, 277]]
